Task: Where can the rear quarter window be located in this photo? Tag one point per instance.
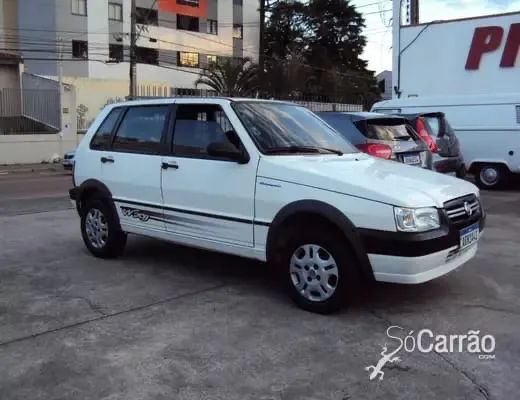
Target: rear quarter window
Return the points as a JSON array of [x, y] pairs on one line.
[[101, 139]]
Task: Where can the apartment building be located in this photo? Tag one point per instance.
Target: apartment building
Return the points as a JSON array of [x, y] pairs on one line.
[[176, 37]]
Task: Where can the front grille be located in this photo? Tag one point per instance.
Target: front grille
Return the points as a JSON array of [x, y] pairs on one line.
[[463, 209]]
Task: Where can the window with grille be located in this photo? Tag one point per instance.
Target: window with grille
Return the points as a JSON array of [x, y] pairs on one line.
[[115, 52], [211, 60], [146, 16], [212, 27], [185, 59], [79, 49], [238, 31], [191, 3], [115, 12], [146, 55], [187, 23], [79, 7]]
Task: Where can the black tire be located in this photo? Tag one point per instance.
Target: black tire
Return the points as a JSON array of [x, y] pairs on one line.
[[483, 171], [348, 280], [461, 172], [115, 240]]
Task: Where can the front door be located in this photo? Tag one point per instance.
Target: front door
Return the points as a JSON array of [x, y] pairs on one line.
[[131, 167], [207, 197]]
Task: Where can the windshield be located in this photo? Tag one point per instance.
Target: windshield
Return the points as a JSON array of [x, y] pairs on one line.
[[279, 128], [388, 132]]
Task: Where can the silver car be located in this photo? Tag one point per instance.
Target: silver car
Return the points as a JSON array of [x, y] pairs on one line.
[[68, 160]]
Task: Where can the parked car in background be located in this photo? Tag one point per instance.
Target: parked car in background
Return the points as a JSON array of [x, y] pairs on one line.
[[68, 160], [487, 126], [436, 131], [381, 135]]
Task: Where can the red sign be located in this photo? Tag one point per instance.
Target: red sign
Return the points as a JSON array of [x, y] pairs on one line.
[[185, 7], [488, 39]]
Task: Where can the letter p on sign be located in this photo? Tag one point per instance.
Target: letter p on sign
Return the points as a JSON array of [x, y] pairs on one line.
[[485, 40]]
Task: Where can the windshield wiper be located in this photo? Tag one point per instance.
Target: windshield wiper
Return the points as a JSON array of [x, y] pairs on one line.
[[302, 149]]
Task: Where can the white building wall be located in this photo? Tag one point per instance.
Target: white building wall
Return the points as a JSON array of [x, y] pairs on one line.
[[169, 39]]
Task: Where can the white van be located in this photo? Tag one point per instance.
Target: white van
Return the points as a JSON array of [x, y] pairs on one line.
[[488, 128]]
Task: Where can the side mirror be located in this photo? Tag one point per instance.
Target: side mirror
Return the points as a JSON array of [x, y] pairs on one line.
[[228, 151]]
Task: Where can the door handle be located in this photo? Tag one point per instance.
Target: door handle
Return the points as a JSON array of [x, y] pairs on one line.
[[107, 159], [166, 165]]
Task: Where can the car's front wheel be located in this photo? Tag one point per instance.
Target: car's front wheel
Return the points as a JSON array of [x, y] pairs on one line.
[[100, 230], [321, 271]]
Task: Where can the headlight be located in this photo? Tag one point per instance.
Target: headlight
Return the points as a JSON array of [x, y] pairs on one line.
[[416, 219]]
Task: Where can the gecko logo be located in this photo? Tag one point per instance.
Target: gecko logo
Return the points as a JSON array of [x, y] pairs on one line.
[[426, 342]]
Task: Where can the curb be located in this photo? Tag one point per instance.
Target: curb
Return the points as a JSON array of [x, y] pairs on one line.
[[9, 171]]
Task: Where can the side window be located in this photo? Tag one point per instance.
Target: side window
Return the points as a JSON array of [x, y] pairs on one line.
[[101, 140], [141, 130], [198, 125]]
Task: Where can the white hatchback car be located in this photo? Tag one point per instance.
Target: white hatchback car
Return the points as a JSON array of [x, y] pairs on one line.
[[269, 181]]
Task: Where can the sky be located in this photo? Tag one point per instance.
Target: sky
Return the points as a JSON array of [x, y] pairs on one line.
[[378, 31]]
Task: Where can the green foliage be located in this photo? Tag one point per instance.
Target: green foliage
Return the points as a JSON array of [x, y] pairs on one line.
[[315, 48], [231, 77]]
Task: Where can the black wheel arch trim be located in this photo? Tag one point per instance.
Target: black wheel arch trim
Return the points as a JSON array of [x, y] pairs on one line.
[[94, 185], [332, 215]]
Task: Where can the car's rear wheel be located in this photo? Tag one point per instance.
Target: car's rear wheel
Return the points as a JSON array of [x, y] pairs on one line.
[[491, 176], [100, 229], [321, 271]]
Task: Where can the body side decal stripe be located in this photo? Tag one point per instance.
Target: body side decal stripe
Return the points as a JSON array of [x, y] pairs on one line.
[[202, 214]]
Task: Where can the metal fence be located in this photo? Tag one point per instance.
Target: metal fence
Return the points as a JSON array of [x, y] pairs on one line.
[[10, 102], [42, 106], [41, 100], [33, 108]]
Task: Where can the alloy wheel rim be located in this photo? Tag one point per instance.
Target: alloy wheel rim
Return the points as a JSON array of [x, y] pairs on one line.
[[489, 176], [96, 227], [314, 272]]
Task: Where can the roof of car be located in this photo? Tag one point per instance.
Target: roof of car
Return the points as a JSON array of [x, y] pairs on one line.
[[195, 99], [361, 115]]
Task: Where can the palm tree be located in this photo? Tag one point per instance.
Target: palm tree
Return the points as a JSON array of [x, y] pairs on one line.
[[232, 77]]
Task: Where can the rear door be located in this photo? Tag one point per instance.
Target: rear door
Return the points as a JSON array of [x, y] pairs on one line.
[[206, 197], [131, 166]]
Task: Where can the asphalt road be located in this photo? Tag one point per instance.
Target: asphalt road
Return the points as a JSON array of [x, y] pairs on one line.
[[168, 322]]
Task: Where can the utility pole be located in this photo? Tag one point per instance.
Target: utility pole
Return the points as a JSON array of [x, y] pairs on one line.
[[133, 39], [261, 44], [414, 12], [60, 92]]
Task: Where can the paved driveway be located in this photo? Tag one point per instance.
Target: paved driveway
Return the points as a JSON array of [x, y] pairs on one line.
[[168, 322]]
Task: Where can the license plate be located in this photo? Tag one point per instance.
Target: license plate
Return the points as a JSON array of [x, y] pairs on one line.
[[469, 235], [412, 159]]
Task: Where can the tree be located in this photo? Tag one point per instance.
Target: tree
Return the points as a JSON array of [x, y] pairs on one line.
[[315, 48], [232, 77]]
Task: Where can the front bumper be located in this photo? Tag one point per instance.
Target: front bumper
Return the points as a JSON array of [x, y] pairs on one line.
[[418, 257], [448, 164], [413, 270]]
